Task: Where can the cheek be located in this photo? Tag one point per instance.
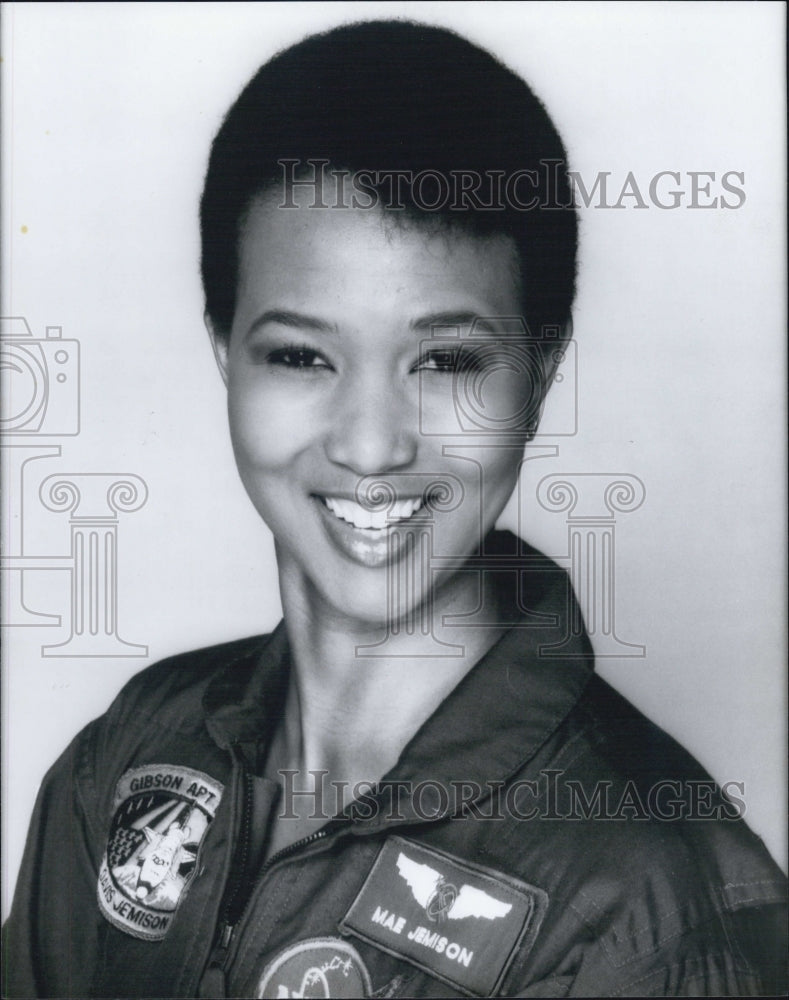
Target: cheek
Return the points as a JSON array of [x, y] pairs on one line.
[[508, 396], [268, 426], [499, 400]]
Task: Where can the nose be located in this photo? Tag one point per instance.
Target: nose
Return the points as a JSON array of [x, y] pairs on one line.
[[372, 428]]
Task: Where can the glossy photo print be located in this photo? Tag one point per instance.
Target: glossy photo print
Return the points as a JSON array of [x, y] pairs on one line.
[[393, 457]]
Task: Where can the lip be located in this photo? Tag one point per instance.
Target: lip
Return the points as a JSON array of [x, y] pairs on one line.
[[364, 546]]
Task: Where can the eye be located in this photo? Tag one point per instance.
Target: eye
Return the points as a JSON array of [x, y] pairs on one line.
[[295, 356], [447, 360]]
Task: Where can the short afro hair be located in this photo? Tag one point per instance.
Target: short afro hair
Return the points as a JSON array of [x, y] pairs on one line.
[[384, 96]]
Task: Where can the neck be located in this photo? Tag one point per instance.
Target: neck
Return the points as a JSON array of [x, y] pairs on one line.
[[358, 693]]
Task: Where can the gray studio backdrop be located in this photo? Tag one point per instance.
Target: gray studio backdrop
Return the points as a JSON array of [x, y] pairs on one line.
[[114, 436]]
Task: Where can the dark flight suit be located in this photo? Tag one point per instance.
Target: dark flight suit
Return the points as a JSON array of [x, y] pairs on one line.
[[538, 837]]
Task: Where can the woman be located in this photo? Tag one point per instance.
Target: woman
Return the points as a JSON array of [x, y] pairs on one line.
[[415, 786]]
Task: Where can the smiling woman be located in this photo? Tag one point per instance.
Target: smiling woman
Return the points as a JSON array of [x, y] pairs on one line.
[[330, 370], [416, 785]]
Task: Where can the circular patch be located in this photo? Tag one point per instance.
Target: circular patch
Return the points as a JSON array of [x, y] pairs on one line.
[[318, 967]]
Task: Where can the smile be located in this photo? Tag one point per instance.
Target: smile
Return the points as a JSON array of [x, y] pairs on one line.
[[374, 522], [370, 538]]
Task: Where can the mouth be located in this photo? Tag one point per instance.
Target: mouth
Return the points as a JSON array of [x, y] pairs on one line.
[[370, 538], [374, 523]]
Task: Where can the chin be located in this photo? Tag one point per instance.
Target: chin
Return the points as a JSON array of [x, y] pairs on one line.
[[365, 603]]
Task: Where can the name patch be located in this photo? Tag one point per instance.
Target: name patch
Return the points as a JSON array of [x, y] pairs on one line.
[[160, 816], [461, 923], [319, 967]]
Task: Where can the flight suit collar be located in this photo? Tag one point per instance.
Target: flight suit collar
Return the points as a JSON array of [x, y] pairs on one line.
[[492, 724], [488, 727], [244, 699]]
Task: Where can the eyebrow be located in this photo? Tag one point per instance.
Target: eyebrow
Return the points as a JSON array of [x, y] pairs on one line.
[[294, 320], [427, 323]]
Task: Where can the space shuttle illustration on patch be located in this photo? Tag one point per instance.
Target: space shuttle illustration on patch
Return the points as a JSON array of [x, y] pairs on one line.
[[162, 856]]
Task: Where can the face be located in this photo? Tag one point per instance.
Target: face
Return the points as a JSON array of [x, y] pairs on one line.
[[351, 338]]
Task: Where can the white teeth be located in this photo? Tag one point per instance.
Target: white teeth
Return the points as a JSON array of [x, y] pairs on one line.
[[377, 520]]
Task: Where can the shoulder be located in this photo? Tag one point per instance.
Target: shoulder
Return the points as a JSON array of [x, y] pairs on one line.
[[178, 682], [652, 808], [653, 860], [160, 714]]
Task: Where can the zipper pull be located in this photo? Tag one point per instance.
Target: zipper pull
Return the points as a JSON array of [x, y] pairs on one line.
[[225, 938], [212, 982]]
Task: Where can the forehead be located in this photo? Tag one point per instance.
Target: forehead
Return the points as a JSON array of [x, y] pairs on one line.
[[339, 252]]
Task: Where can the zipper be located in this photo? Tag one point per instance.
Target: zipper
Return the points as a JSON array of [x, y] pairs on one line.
[[228, 926], [213, 982], [241, 857]]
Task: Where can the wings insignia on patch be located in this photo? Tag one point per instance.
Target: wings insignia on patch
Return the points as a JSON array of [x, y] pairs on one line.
[[422, 879], [459, 922], [473, 902], [438, 896]]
